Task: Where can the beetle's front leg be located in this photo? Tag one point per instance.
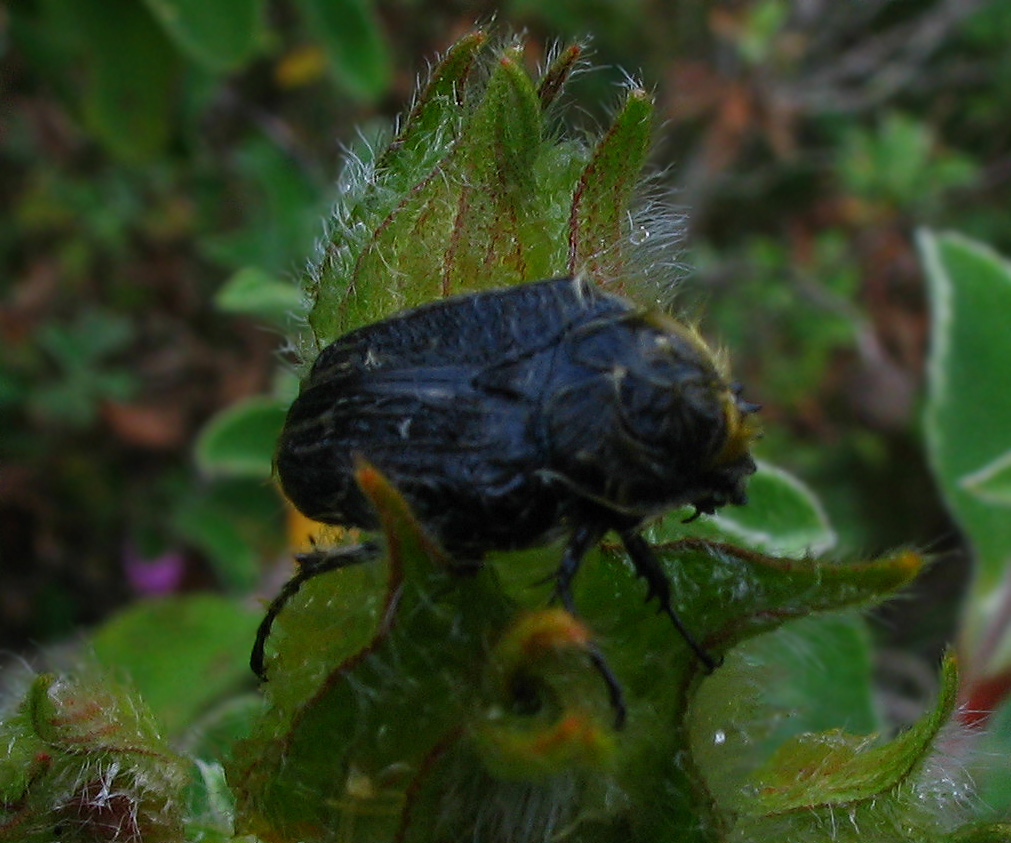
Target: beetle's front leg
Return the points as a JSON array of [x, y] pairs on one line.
[[310, 565], [658, 586]]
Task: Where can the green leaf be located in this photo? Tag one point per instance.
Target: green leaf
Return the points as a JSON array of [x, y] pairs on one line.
[[992, 483], [901, 162], [355, 44], [254, 292], [441, 703], [83, 344], [989, 763], [445, 211], [437, 109], [981, 833], [128, 77], [475, 193], [968, 413], [823, 667], [211, 805], [236, 523], [763, 22], [85, 755], [492, 242], [216, 729], [601, 198], [378, 753], [284, 215], [182, 654], [221, 36], [836, 769], [782, 517], [379, 201], [557, 73], [240, 440], [811, 675]]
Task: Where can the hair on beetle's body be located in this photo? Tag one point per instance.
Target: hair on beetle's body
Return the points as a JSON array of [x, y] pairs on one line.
[[506, 417]]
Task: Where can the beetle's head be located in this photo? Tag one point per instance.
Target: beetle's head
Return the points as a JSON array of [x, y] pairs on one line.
[[731, 465], [706, 423], [726, 485]]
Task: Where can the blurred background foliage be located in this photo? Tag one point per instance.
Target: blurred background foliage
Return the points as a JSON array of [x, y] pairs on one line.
[[165, 166]]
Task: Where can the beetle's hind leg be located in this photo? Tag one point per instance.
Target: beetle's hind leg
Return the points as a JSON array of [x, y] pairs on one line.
[[658, 586], [310, 565], [583, 538]]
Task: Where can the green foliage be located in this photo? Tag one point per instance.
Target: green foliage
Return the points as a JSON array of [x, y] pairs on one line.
[[256, 292], [476, 193], [180, 654], [135, 54], [968, 417], [807, 306], [783, 516], [756, 40], [843, 770], [507, 716], [355, 46], [967, 424], [233, 521], [220, 36], [239, 442], [404, 693], [110, 359], [75, 366], [990, 764], [992, 483], [81, 352], [85, 764], [211, 806], [127, 96], [898, 163], [284, 217]]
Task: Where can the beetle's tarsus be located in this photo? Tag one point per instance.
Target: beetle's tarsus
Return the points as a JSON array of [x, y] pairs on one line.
[[310, 565], [614, 691]]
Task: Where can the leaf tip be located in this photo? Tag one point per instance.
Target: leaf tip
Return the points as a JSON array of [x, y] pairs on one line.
[[908, 563]]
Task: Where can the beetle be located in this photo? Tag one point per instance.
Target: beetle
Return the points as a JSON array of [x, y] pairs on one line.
[[510, 416]]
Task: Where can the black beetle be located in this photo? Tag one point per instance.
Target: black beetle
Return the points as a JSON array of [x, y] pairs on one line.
[[506, 417]]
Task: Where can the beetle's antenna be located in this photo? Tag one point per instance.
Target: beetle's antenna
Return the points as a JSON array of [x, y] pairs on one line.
[[310, 565], [658, 586]]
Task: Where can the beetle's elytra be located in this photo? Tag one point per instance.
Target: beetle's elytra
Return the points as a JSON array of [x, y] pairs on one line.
[[508, 416]]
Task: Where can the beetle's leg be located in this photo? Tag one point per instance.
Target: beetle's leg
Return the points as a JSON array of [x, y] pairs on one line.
[[658, 586], [614, 691], [309, 565], [583, 538]]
